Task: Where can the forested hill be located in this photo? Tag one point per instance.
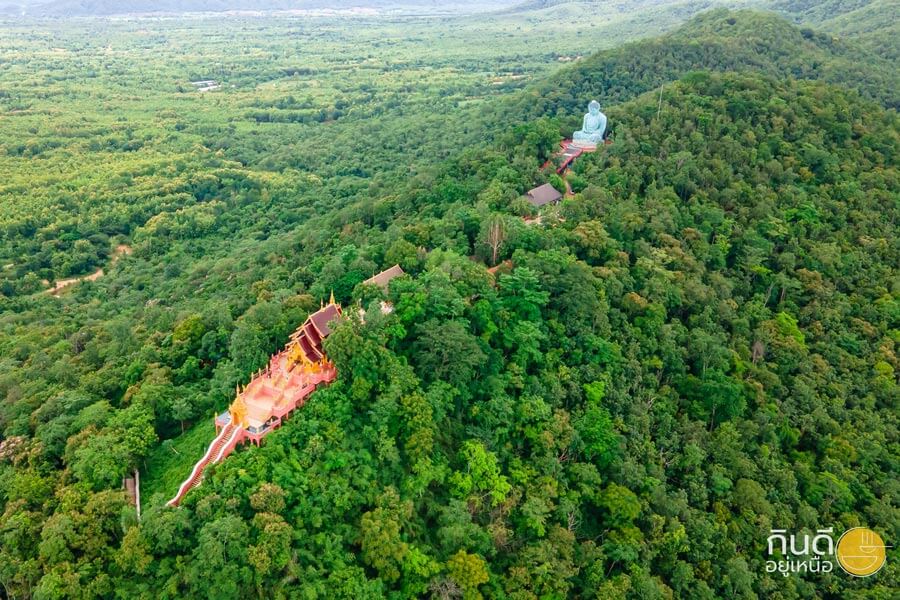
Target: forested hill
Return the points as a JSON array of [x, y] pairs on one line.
[[874, 24], [717, 40], [702, 348]]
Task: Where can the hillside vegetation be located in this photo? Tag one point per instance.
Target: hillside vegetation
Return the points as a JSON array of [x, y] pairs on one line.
[[874, 24], [717, 40], [703, 350], [317, 111], [700, 345]]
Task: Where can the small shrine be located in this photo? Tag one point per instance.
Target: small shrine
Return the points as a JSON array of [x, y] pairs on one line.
[[382, 279], [543, 195]]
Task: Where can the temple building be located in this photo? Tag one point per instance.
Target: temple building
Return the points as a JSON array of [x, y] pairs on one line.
[[384, 278], [284, 383], [273, 393], [543, 195]]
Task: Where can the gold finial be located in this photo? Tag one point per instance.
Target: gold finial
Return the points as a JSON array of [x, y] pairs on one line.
[[331, 300], [238, 410]]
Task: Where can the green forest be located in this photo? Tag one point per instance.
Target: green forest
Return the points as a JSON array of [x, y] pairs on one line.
[[618, 400]]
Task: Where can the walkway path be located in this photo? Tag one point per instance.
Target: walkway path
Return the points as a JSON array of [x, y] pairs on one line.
[[62, 284], [214, 454]]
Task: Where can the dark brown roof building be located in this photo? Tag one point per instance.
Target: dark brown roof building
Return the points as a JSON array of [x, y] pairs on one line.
[[384, 278], [542, 195]]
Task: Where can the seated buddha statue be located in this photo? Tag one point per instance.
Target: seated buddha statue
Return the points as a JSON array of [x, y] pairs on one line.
[[592, 128]]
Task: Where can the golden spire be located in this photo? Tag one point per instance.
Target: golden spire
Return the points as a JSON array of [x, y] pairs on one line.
[[331, 300], [238, 410]]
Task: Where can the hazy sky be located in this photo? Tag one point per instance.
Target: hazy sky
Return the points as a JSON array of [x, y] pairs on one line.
[[63, 8]]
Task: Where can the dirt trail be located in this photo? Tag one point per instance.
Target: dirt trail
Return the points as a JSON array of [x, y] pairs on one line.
[[121, 249]]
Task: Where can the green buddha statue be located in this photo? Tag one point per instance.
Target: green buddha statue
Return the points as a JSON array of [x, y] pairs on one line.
[[592, 128]]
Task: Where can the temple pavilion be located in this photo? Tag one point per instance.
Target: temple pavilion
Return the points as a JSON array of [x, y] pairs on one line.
[[273, 393], [283, 384]]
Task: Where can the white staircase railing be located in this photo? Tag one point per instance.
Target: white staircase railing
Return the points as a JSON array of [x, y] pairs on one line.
[[186, 485]]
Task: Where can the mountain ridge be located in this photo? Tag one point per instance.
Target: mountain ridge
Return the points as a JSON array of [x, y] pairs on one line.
[[715, 40]]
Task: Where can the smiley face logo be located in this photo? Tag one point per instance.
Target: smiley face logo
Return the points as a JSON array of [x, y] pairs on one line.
[[860, 552]]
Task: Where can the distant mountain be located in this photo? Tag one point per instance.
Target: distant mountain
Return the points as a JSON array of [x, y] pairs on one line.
[[620, 6], [87, 8], [823, 10], [875, 24], [716, 40]]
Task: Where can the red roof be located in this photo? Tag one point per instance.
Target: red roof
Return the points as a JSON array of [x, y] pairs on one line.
[[309, 336], [322, 318]]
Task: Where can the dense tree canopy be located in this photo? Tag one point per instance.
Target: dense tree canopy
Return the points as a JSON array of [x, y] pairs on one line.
[[698, 345]]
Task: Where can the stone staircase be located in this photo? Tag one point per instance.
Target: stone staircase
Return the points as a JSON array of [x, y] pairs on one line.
[[220, 447]]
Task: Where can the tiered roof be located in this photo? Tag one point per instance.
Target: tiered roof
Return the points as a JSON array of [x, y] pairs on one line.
[[273, 393], [308, 337], [275, 389]]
